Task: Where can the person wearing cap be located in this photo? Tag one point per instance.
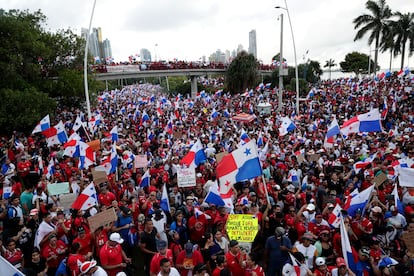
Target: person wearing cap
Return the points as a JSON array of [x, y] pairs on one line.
[[397, 219], [54, 252], [159, 219], [324, 245], [360, 225], [308, 211], [75, 258], [124, 226], [236, 258], [113, 258], [91, 268], [341, 268], [276, 255], [166, 268], [85, 240], [188, 259], [163, 252], [321, 267], [366, 264], [307, 249]]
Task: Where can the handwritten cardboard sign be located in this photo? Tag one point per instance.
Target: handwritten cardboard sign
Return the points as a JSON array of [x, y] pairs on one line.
[[99, 175], [103, 218], [66, 200], [140, 161], [379, 179]]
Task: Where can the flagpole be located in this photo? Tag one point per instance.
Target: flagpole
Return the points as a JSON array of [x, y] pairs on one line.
[[265, 187]]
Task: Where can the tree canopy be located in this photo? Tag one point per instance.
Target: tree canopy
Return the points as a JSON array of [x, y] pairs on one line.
[[37, 63], [357, 63], [242, 73]]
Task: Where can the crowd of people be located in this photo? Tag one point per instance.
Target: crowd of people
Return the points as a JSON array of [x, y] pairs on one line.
[[296, 235]]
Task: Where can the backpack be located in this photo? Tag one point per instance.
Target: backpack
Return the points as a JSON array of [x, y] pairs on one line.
[[11, 221]]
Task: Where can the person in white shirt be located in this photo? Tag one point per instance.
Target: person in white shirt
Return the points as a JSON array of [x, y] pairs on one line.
[[91, 269], [166, 269]]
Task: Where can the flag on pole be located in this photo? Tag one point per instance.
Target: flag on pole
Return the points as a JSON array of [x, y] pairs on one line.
[[42, 125], [114, 134], [367, 122], [346, 247], [86, 199], [213, 196], [165, 203], [145, 180], [195, 156]]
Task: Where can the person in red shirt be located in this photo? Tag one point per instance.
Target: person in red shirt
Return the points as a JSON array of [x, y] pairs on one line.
[[221, 263], [54, 252], [163, 252], [198, 227], [236, 259], [252, 268], [105, 197], [360, 225], [75, 258], [23, 166], [113, 258], [188, 259], [101, 237], [85, 240]]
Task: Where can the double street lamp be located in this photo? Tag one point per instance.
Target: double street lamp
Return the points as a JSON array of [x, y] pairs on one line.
[[294, 50]]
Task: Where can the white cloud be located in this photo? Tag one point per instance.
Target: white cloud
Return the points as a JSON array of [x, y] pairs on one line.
[[187, 29]]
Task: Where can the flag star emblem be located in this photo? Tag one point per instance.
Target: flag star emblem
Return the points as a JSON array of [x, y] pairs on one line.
[[247, 152]]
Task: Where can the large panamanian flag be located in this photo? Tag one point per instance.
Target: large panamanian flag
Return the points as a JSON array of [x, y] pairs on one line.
[[241, 164], [367, 122]]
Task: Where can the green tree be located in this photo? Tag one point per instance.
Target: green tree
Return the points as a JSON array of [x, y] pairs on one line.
[[20, 109], [243, 73], [35, 61], [315, 70], [356, 63], [330, 63], [374, 23], [404, 32]]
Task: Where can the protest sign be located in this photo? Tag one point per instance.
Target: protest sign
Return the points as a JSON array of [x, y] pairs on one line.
[[66, 200], [99, 175], [58, 188], [140, 161], [103, 218], [242, 228], [186, 177], [95, 144], [379, 179]]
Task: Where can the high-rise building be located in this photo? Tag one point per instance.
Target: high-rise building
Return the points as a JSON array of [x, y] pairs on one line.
[[239, 48], [107, 50], [98, 49], [145, 55], [252, 43]]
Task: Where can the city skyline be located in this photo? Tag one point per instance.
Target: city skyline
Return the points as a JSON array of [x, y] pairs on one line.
[[189, 30]]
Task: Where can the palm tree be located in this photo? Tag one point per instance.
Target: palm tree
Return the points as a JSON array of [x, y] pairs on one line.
[[404, 32], [330, 63], [374, 23], [388, 41]]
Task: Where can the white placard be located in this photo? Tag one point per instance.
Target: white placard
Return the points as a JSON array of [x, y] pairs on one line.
[[186, 177]]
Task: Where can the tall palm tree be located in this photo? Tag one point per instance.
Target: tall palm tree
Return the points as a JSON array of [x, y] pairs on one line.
[[373, 23], [330, 63], [388, 41], [404, 32]]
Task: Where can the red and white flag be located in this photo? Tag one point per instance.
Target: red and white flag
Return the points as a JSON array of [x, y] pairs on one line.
[[86, 199]]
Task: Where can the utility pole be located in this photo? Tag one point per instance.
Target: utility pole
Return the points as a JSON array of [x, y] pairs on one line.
[[280, 102]]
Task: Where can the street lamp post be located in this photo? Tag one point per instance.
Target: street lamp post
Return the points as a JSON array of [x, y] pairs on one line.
[[294, 50], [85, 65], [281, 65]]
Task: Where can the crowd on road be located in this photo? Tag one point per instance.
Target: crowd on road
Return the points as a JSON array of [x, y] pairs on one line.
[[305, 178]]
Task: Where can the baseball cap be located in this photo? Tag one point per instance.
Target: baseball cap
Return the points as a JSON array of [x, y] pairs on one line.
[[340, 262], [320, 261], [161, 244], [33, 212], [86, 266], [310, 207], [288, 270], [116, 238], [365, 251]]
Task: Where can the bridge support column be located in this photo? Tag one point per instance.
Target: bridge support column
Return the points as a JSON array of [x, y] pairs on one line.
[[168, 85], [193, 87]]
